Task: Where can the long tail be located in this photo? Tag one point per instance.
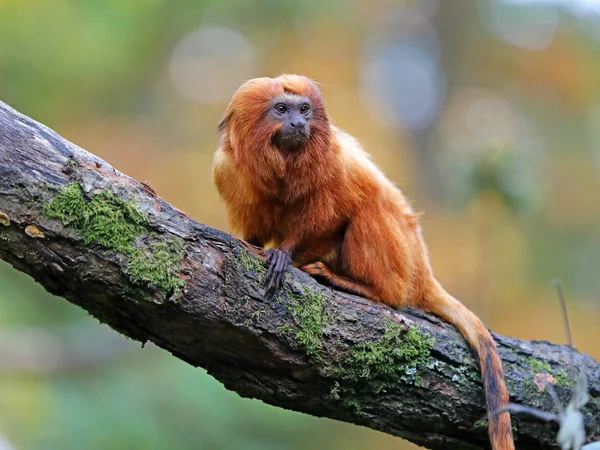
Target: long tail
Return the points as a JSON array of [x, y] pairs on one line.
[[470, 326]]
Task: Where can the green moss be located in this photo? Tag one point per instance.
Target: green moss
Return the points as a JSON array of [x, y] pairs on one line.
[[561, 376], [25, 195], [250, 262], [538, 366], [334, 393], [70, 166], [352, 403], [394, 358], [346, 396], [157, 263], [563, 379], [116, 224], [104, 219], [309, 312], [375, 367], [480, 425], [255, 317]]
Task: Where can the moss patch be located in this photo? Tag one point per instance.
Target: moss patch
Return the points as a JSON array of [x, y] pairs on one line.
[[157, 263], [251, 263], [538, 366], [561, 376], [376, 367], [480, 425], [309, 312], [116, 224], [70, 166], [104, 219], [394, 358]]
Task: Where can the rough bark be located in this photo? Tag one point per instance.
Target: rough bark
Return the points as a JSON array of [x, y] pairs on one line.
[[304, 350]]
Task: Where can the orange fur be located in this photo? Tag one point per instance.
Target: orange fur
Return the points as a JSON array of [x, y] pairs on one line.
[[340, 218]]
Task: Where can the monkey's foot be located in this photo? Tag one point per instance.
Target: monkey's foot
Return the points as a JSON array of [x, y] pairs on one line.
[[278, 261], [323, 272], [317, 269]]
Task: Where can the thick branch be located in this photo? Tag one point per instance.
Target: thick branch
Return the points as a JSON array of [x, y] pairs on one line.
[[154, 274]]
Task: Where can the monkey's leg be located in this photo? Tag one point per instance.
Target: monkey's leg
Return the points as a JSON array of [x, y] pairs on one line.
[[318, 269]]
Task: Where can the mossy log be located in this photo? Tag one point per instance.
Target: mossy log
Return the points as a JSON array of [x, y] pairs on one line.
[[110, 245]]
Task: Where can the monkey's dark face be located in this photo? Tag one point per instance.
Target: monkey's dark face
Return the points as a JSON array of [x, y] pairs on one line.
[[293, 113]]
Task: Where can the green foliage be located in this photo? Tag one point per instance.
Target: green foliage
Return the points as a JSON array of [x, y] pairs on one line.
[[116, 224], [507, 173], [41, 64], [309, 312]]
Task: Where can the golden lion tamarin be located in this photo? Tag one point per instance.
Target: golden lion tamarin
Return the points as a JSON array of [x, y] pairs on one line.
[[291, 178]]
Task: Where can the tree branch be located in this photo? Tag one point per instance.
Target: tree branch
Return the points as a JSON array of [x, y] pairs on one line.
[[109, 244]]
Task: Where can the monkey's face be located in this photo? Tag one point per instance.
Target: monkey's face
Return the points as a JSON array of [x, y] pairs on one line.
[[293, 114]]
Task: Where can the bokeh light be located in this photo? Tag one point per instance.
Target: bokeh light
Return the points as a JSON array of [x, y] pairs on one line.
[[477, 120], [530, 25], [401, 80], [210, 62]]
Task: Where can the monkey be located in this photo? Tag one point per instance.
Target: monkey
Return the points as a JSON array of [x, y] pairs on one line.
[[292, 180]]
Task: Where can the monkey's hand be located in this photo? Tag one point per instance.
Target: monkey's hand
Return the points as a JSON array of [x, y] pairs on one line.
[[278, 262]]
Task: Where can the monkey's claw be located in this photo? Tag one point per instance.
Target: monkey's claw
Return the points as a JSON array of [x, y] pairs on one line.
[[278, 261]]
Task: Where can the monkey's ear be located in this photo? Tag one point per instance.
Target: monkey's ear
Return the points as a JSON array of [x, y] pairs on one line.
[[224, 122]]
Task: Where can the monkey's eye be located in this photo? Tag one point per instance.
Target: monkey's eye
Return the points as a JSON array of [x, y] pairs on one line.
[[304, 109], [280, 108]]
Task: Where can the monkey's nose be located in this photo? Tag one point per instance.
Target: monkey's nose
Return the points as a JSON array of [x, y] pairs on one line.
[[301, 124]]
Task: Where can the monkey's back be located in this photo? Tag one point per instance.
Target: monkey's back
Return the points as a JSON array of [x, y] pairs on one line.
[[383, 244]]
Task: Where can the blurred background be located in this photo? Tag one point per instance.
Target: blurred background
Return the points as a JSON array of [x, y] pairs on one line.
[[485, 112]]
